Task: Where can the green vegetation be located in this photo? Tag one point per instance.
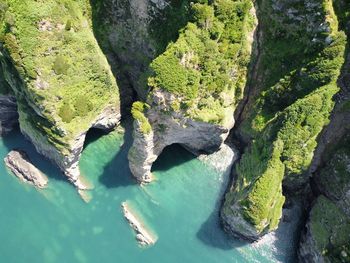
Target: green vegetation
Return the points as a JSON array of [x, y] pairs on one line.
[[265, 199], [208, 63], [66, 76], [334, 177], [164, 27], [330, 228], [138, 112], [297, 77], [60, 65]]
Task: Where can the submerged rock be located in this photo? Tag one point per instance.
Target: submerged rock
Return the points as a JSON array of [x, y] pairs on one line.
[[20, 165]]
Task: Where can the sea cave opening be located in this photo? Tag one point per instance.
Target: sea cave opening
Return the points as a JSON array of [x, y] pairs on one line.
[[172, 156]]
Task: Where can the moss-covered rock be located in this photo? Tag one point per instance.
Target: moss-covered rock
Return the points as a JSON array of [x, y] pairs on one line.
[[57, 66], [327, 236], [292, 103], [197, 83]]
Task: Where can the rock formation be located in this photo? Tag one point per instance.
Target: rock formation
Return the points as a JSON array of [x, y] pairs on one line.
[[130, 33], [173, 113], [197, 137], [20, 165], [60, 78], [143, 236], [289, 106], [326, 237]]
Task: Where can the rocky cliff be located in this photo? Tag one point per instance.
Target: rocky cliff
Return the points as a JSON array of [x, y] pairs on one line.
[[60, 78], [300, 58], [132, 33], [8, 104], [326, 237], [192, 100], [9, 115]]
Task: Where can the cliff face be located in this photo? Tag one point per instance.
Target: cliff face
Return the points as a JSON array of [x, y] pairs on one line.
[[8, 104], [9, 115], [192, 99], [326, 237], [59, 76], [300, 58]]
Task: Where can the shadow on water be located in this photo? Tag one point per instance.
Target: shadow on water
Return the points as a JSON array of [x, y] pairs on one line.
[[117, 172], [211, 232], [15, 140]]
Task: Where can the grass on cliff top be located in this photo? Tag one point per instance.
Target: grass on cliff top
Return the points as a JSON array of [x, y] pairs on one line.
[[206, 67], [291, 110], [330, 228], [66, 76]]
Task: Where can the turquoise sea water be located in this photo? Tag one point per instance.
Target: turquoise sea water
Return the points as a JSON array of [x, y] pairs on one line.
[[181, 208]]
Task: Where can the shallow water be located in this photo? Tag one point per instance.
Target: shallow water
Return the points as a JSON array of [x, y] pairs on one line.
[[180, 208]]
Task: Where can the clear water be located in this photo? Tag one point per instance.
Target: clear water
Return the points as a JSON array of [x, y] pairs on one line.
[[181, 207]]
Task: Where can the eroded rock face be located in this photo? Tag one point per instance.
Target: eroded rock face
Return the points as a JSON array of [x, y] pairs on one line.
[[169, 127], [8, 113], [68, 161], [20, 165]]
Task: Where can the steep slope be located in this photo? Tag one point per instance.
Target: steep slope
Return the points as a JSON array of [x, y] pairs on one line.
[[326, 237], [195, 85], [132, 33], [327, 234], [301, 54], [62, 81], [8, 105]]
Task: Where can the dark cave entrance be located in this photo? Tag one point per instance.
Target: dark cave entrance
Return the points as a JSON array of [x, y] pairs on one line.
[[172, 156], [93, 134]]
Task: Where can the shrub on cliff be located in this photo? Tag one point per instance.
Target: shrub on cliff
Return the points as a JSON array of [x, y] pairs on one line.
[[137, 111], [66, 113], [61, 65]]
